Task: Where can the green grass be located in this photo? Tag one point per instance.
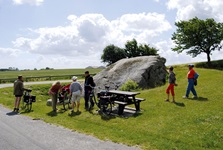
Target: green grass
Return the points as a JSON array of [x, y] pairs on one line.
[[188, 124], [43, 75], [30, 73]]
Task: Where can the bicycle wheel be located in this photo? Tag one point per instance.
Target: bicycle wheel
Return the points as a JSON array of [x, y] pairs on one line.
[[96, 101], [106, 107], [90, 106], [29, 106]]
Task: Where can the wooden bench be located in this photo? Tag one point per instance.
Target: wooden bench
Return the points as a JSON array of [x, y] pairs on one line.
[[121, 104], [138, 101]]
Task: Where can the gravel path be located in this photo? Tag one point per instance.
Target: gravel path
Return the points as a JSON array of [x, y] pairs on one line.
[[19, 132]]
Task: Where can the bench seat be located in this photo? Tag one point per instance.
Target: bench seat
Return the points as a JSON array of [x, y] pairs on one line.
[[138, 99]]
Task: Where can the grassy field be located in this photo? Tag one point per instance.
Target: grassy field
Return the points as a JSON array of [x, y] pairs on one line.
[[57, 72], [43, 75], [186, 125]]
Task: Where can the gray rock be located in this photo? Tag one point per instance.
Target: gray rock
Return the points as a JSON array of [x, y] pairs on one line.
[[146, 71]]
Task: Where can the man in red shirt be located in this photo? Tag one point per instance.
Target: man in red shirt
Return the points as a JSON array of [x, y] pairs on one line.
[[190, 77], [53, 91]]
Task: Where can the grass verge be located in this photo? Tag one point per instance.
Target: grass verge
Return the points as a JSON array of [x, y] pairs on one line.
[[187, 124]]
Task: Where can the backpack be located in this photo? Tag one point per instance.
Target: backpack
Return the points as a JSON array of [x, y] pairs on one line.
[[196, 75]]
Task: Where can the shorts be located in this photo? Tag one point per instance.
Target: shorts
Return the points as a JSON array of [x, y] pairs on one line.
[[18, 95], [76, 96]]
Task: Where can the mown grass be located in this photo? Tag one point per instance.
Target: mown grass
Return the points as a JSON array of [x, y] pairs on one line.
[[188, 124]]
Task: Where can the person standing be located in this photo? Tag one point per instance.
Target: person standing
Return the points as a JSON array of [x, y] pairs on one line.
[[170, 88], [53, 91], [18, 92], [75, 93], [191, 79], [87, 88]]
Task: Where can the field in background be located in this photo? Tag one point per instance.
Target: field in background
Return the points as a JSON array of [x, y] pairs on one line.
[[43, 75], [187, 124]]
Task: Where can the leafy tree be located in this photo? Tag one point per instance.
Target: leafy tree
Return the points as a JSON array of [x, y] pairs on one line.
[[198, 36], [112, 53], [146, 50], [133, 50]]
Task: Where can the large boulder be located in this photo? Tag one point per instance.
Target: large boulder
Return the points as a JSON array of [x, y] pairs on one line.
[[146, 71]]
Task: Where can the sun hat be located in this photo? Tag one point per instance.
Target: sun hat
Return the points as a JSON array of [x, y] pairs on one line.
[[74, 78], [191, 65], [171, 67]]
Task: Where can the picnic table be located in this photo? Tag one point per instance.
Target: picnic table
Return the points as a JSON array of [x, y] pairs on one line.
[[123, 98]]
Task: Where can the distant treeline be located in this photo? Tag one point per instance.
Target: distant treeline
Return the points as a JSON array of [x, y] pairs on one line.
[[16, 69]]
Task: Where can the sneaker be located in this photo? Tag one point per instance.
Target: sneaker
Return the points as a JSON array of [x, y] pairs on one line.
[[167, 100], [17, 110], [173, 101], [194, 97], [185, 97], [14, 109]]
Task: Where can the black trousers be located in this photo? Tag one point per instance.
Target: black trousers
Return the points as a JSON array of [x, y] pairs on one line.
[[86, 98]]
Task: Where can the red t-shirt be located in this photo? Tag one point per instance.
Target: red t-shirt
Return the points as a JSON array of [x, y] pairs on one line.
[[190, 74], [55, 88]]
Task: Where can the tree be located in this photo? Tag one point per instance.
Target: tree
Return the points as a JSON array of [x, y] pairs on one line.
[[112, 53], [146, 50], [133, 50], [198, 36]]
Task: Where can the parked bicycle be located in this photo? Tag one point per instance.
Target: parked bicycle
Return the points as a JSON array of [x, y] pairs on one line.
[[28, 99], [104, 100]]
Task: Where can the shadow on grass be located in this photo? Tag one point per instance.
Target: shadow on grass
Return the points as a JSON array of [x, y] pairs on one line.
[[179, 104], [26, 111], [130, 112], [106, 117], [73, 114], [199, 99], [52, 113]]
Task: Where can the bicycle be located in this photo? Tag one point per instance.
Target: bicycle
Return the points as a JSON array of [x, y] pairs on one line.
[[104, 100], [91, 99], [28, 100], [64, 99]]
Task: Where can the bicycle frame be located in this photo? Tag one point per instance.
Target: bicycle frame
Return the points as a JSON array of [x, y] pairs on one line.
[[28, 100]]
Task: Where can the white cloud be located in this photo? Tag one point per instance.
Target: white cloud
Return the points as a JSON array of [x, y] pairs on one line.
[[201, 8], [172, 57], [8, 52], [30, 2], [82, 41]]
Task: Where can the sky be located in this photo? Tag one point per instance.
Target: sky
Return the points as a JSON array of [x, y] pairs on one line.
[[63, 34]]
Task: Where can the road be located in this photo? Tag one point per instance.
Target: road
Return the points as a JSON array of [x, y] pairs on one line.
[[18, 132]]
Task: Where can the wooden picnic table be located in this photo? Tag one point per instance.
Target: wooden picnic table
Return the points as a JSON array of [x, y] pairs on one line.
[[123, 98]]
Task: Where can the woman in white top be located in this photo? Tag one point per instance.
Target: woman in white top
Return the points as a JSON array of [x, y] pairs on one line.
[[75, 91]]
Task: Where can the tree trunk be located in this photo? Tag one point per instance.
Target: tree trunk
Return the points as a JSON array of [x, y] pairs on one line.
[[209, 59]]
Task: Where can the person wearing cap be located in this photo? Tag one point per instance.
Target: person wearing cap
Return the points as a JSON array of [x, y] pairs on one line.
[[53, 91], [87, 88], [18, 92], [75, 93], [190, 87], [170, 88]]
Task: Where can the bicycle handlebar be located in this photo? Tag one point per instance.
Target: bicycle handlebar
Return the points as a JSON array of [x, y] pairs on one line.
[[28, 90]]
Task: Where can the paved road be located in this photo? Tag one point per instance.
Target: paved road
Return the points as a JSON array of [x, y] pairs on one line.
[[18, 132]]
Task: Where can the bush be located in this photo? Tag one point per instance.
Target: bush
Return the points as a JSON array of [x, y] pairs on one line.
[[217, 64], [129, 85]]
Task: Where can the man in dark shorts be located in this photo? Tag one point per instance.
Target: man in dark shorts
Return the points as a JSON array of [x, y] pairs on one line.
[[18, 92]]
